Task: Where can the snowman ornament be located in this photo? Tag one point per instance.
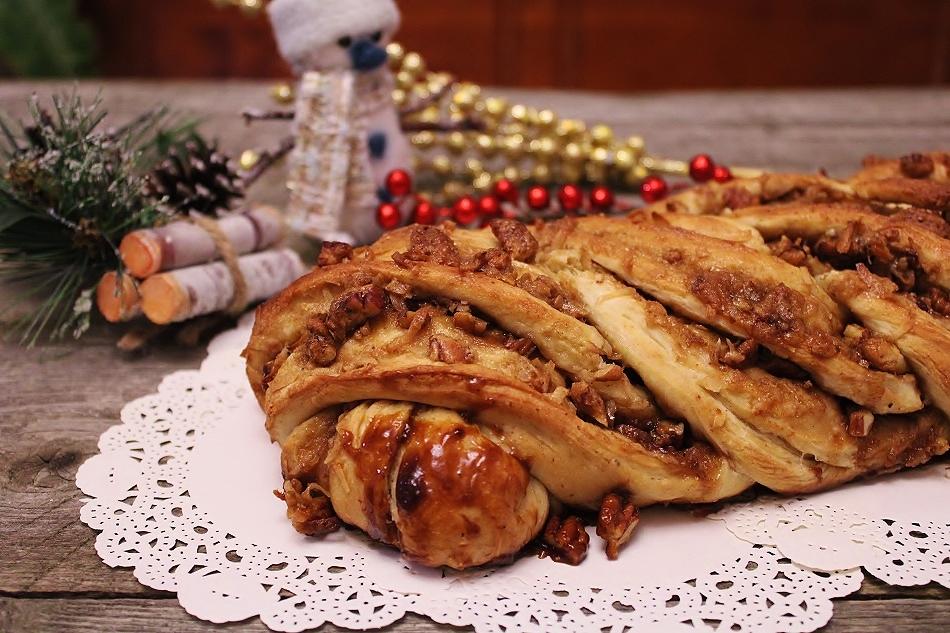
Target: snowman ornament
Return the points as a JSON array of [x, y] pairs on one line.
[[347, 132]]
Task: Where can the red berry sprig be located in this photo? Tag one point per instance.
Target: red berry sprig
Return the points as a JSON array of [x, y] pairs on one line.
[[702, 168], [465, 210], [571, 198], [388, 216], [399, 183], [538, 198], [653, 189]]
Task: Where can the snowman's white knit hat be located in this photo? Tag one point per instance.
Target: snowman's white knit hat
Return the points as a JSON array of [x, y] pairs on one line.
[[302, 25]]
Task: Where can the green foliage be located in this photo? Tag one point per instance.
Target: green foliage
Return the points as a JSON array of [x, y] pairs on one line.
[[68, 193], [44, 38]]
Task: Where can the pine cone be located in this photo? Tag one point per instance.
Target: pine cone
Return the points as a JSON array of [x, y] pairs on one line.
[[195, 178]]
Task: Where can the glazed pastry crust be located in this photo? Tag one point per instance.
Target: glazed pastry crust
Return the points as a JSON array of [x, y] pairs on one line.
[[446, 390]]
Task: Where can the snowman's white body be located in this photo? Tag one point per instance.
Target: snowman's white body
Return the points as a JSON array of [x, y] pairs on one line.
[[320, 37]]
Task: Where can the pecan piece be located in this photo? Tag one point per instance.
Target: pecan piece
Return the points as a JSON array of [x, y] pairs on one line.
[[429, 244], [917, 166], [737, 356], [308, 509], [617, 520], [334, 253], [347, 313], [565, 541], [547, 290], [515, 238], [469, 323], [859, 423], [494, 262], [593, 404], [449, 351]]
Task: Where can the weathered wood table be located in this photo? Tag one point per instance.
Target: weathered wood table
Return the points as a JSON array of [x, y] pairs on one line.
[[55, 400]]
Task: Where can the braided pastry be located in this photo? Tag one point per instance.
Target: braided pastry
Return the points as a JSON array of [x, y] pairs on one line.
[[452, 392]]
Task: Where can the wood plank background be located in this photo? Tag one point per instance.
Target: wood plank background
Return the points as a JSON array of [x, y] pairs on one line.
[[580, 44], [57, 399]]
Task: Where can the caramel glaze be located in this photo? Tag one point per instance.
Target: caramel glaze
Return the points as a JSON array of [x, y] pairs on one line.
[[429, 483], [452, 482]]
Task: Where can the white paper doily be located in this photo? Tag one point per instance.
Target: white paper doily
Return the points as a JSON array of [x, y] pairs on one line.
[[182, 492]]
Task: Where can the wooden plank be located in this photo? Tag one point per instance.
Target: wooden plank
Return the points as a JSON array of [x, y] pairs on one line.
[[785, 130], [142, 616], [52, 411]]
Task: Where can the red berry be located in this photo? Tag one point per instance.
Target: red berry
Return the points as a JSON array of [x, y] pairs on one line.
[[399, 183], [570, 197], [722, 174], [601, 198], [465, 210], [489, 207], [538, 197], [506, 191], [425, 212], [445, 213], [653, 189], [388, 216], [701, 168]]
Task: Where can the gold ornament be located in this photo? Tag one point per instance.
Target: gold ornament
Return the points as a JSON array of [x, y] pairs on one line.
[[496, 107], [249, 159], [396, 54], [442, 165], [413, 64], [601, 135], [486, 145], [456, 142], [624, 159], [282, 93], [482, 182], [399, 97], [423, 140]]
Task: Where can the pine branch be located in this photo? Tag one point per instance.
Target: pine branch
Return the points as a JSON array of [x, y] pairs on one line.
[[68, 193]]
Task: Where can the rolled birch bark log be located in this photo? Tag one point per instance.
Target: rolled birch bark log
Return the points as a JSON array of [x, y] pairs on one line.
[[182, 244], [185, 293], [117, 297]]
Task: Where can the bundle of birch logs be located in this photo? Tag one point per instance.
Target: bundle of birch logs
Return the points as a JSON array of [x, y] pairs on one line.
[[198, 266]]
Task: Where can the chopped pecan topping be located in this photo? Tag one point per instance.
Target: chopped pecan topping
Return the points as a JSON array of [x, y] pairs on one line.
[[793, 252], [334, 253], [565, 541], [936, 301], [493, 262], [515, 239], [859, 423], [547, 290], [617, 520], [352, 309], [347, 313], [308, 509], [737, 356], [876, 351], [320, 347], [736, 198], [449, 351], [917, 166], [470, 323], [658, 435], [593, 404], [429, 244], [523, 346]]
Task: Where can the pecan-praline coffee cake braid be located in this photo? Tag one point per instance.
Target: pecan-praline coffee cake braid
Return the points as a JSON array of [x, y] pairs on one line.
[[459, 394]]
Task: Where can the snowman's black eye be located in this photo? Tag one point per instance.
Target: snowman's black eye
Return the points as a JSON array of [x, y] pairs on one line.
[[345, 42], [378, 35]]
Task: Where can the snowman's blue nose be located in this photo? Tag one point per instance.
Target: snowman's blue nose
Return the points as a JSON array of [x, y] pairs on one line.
[[367, 55]]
